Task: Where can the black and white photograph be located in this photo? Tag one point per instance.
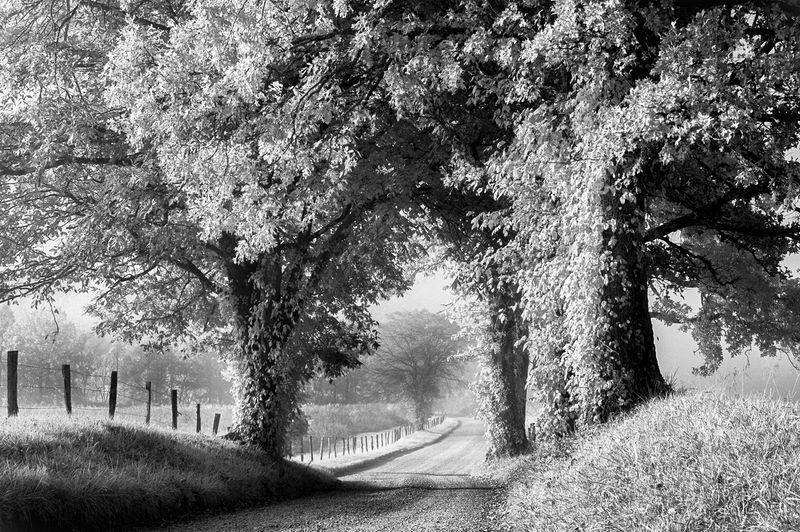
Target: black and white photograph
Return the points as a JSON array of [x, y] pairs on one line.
[[399, 265]]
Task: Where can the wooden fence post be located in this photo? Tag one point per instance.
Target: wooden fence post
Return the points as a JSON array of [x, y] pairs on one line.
[[321, 445], [310, 448], [372, 441], [67, 387], [199, 424], [215, 428], [329, 447], [174, 400], [334, 447], [13, 406], [301, 448], [149, 387], [112, 395]]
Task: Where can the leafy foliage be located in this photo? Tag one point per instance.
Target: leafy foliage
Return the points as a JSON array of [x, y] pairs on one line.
[[255, 176]]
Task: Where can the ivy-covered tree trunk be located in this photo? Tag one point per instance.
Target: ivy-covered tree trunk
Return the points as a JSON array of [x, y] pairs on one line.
[[505, 378], [625, 362], [267, 386]]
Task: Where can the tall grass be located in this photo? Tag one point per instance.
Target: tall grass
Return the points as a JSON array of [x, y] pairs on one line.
[[83, 474], [684, 463]]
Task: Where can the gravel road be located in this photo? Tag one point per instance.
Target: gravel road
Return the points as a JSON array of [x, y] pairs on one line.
[[424, 490]]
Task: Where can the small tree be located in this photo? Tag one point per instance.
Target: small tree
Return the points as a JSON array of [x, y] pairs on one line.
[[415, 358]]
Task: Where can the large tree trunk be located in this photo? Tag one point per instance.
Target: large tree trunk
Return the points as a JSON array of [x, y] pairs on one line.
[[504, 384], [624, 357], [267, 385]]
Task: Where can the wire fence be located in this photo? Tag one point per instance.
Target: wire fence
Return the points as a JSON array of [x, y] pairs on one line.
[[310, 449], [79, 393], [99, 396]]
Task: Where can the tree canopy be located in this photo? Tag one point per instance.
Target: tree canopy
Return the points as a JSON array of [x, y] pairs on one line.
[[256, 174]]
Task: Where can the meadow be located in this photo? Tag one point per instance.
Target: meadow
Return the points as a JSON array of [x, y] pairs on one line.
[[160, 415], [338, 420], [335, 420]]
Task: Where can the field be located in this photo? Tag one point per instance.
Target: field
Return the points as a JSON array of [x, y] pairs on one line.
[[160, 415], [688, 462], [324, 420], [337, 420]]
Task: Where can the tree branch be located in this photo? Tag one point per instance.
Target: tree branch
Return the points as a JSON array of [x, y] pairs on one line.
[[705, 213], [127, 160], [120, 12]]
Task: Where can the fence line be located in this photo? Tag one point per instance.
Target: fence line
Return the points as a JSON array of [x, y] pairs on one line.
[[96, 384], [366, 442]]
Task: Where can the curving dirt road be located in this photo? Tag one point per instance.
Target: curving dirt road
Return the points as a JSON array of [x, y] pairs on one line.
[[429, 489]]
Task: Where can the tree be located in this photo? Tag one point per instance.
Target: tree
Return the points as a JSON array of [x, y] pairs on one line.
[[241, 200], [625, 171], [651, 153], [415, 360]]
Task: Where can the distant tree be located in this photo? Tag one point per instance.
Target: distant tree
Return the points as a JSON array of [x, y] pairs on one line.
[[46, 342], [415, 359], [198, 377]]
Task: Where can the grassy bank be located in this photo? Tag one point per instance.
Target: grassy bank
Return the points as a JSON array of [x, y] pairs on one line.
[[685, 463], [80, 474]]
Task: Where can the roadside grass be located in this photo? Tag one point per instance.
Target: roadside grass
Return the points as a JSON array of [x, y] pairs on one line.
[[84, 474], [683, 463]]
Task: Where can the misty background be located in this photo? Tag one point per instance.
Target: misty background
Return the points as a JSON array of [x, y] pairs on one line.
[[747, 373]]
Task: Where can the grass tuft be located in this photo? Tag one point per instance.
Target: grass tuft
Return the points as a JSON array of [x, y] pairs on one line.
[[686, 462], [82, 474]]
